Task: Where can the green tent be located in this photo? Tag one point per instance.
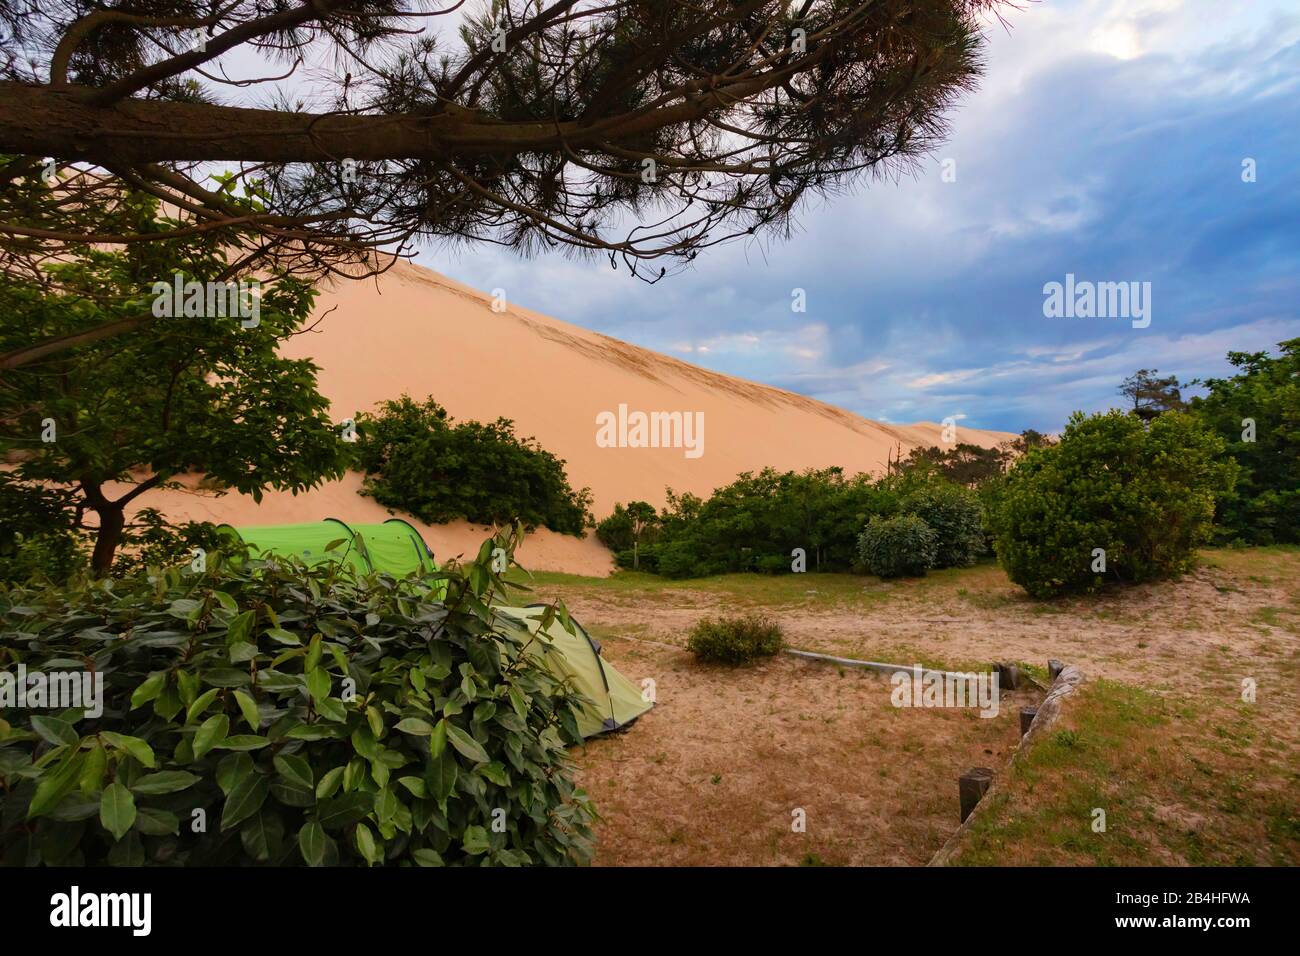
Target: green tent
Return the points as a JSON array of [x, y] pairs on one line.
[[395, 547], [616, 701]]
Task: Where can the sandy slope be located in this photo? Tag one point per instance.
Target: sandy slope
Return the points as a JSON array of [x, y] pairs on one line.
[[416, 331]]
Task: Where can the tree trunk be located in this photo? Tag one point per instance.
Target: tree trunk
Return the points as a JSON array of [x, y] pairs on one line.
[[112, 520], [636, 556]]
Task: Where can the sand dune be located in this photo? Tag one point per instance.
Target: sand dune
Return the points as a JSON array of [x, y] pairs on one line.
[[415, 331]]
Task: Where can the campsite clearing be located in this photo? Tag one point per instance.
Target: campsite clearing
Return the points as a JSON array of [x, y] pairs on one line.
[[1160, 737]]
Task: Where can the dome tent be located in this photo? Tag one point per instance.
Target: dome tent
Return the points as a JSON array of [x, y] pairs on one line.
[[616, 700], [396, 547]]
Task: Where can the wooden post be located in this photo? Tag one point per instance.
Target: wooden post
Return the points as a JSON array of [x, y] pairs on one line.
[[1008, 676], [971, 787], [1027, 715], [1054, 668]]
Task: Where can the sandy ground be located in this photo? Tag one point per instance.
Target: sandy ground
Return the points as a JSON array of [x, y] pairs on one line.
[[415, 331], [882, 781], [714, 774]]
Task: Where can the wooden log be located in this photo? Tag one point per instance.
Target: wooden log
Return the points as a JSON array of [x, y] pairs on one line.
[[1054, 668], [1027, 715], [971, 787]]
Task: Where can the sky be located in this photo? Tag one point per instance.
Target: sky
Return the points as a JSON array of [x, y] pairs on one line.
[[1111, 140]]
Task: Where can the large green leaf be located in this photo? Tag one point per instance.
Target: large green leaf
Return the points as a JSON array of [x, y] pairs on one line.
[[165, 781], [56, 784], [313, 841], [56, 731], [201, 703], [154, 822], [148, 690], [438, 739], [117, 810], [210, 733], [245, 800], [371, 850], [466, 745], [415, 726], [134, 746], [248, 707], [339, 812]]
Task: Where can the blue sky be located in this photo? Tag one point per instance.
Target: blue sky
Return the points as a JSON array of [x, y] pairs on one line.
[[1107, 141]]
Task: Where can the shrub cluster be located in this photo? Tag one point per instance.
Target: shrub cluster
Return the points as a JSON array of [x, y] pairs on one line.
[[735, 640], [1139, 496], [756, 522], [417, 459], [271, 713], [899, 546]]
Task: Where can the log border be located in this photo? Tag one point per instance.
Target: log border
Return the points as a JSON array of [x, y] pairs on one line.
[[1066, 683]]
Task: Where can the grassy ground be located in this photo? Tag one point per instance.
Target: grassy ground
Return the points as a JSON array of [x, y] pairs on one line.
[[1160, 737]]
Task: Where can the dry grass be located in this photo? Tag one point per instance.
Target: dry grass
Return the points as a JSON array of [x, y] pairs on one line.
[[713, 775], [1187, 771]]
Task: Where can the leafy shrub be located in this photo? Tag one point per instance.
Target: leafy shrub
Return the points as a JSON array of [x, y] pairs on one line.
[[418, 460], [754, 523], [646, 558], [736, 640], [1145, 494], [953, 513], [312, 716], [150, 540], [38, 538], [903, 545]]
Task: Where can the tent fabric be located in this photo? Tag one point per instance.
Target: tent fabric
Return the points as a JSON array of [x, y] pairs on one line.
[[616, 701], [306, 541], [396, 547]]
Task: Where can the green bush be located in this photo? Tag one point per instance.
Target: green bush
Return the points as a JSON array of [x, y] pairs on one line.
[[418, 460], [629, 531], [901, 546], [953, 513], [754, 523], [736, 640], [38, 537], [302, 714], [1145, 494]]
